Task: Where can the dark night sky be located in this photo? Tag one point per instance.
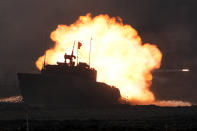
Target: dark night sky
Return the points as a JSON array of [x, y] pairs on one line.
[[25, 24]]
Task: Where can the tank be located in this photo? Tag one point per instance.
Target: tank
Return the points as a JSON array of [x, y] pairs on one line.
[[67, 83]]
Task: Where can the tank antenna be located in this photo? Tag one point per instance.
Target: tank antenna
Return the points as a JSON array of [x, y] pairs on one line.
[[73, 49], [44, 63], [77, 55], [90, 50]]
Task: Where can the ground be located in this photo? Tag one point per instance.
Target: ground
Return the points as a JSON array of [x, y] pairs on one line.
[[116, 117]]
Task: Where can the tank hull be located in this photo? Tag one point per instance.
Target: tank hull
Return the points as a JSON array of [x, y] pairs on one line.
[[65, 89]]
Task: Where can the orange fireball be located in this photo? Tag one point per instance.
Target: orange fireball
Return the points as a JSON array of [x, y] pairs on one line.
[[117, 54]]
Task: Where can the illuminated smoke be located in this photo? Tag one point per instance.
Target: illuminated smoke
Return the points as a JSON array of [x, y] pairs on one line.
[[172, 103], [12, 99]]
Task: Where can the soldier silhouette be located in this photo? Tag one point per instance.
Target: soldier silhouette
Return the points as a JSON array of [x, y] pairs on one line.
[[70, 58]]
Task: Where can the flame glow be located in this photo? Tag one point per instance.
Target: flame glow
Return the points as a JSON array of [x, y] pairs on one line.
[[12, 99], [117, 54], [172, 103]]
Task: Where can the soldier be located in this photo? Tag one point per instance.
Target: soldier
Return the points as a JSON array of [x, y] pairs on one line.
[[70, 57]]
